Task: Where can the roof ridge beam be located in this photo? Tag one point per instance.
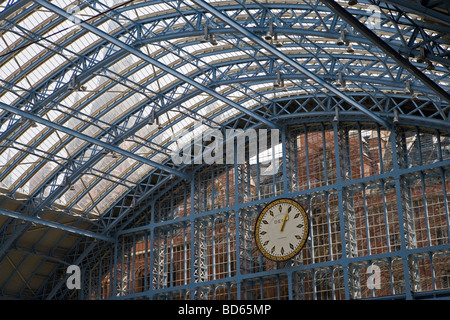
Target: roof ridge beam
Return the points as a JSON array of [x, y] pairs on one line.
[[421, 10]]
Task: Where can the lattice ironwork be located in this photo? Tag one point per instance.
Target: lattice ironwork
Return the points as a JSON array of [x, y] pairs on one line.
[[92, 111]]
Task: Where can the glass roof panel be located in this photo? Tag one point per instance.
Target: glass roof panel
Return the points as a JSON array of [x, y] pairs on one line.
[[9, 97], [60, 31], [113, 195], [8, 69], [36, 180]]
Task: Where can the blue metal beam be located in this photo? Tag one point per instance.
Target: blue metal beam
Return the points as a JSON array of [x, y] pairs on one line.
[[386, 48], [89, 139], [421, 10], [155, 62], [55, 225], [270, 5], [257, 81], [288, 60]]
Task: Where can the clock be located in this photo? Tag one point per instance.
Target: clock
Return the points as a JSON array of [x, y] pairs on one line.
[[281, 229]]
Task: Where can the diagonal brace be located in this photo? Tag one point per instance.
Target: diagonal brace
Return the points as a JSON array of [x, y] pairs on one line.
[[90, 139]]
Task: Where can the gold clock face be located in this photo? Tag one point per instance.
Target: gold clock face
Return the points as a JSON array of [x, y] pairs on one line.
[[281, 229]]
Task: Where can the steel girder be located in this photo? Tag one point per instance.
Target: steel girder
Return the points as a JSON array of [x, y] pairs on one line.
[[425, 8], [369, 34], [278, 115], [400, 48], [89, 139], [13, 7], [162, 192]]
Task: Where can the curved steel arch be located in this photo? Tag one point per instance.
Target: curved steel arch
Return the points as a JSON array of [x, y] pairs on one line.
[[330, 115], [87, 165], [112, 84]]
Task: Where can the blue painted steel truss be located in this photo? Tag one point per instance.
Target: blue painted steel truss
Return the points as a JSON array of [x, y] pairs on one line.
[[234, 67]]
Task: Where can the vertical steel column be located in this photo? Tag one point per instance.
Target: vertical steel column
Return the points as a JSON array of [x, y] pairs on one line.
[[345, 167], [212, 222], [113, 281], [147, 250], [284, 160], [237, 227], [201, 257], [193, 227], [444, 188], [126, 285], [446, 206], [243, 175], [170, 282], [151, 268], [159, 277], [133, 257], [306, 148], [246, 258], [119, 270], [345, 247], [228, 246], [403, 209], [199, 253]]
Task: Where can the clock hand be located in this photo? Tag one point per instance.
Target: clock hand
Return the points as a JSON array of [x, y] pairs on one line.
[[285, 218]]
